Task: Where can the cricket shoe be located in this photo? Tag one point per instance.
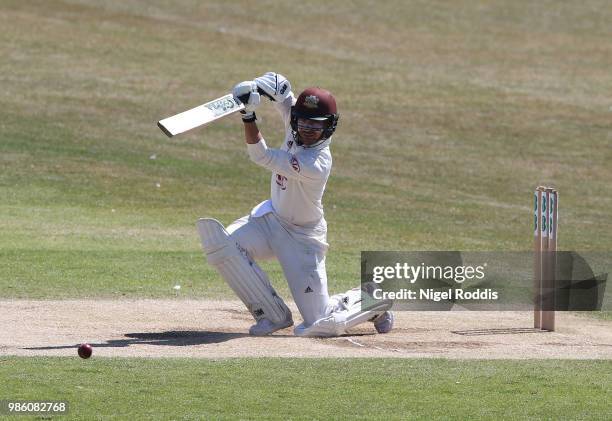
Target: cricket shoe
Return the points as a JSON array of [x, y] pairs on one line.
[[384, 322], [266, 327]]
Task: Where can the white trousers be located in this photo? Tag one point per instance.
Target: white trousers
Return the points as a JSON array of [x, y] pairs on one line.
[[264, 238]]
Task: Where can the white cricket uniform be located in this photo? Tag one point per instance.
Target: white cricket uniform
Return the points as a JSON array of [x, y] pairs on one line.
[[290, 226]]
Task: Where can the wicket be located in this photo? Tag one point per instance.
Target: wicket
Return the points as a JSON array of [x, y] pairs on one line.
[[545, 246]]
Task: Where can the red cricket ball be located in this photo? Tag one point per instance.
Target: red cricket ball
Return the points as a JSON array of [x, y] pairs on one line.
[[85, 350]]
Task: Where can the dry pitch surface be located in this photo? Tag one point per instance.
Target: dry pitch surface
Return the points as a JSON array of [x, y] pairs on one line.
[[218, 329]]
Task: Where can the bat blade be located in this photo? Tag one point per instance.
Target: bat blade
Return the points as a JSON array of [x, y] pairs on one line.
[[199, 116]]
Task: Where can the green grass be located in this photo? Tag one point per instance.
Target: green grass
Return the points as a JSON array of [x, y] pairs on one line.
[[450, 117], [313, 388]]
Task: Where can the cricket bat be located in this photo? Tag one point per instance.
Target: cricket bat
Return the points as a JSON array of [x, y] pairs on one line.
[[200, 116]]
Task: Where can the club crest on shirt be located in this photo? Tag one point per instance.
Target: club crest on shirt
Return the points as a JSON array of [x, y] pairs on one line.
[[295, 164], [281, 180]]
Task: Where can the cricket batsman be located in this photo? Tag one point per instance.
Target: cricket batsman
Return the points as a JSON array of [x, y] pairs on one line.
[[290, 226]]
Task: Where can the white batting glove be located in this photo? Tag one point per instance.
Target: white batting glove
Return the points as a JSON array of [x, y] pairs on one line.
[[246, 93], [274, 86]]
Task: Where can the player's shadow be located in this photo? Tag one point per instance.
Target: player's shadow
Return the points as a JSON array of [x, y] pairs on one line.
[[170, 338], [183, 338]]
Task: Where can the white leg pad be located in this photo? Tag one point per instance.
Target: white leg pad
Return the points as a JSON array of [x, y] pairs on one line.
[[242, 274], [346, 315]]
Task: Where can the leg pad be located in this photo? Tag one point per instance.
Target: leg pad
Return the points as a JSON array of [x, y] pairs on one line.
[[242, 274]]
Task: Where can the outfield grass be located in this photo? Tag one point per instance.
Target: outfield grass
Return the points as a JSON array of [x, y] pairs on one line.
[[450, 116], [314, 389]]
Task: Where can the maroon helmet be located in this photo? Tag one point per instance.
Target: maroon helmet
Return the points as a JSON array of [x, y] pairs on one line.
[[315, 104]]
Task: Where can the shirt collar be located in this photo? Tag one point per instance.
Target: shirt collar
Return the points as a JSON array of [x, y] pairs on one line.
[[319, 145]]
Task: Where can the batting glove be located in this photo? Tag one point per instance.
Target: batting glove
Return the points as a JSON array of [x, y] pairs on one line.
[[246, 93], [274, 86]]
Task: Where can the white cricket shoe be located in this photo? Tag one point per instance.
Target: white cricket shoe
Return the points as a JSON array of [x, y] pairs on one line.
[[265, 327], [384, 322]]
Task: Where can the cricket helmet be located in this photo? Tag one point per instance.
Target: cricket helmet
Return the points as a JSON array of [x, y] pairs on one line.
[[315, 104]]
